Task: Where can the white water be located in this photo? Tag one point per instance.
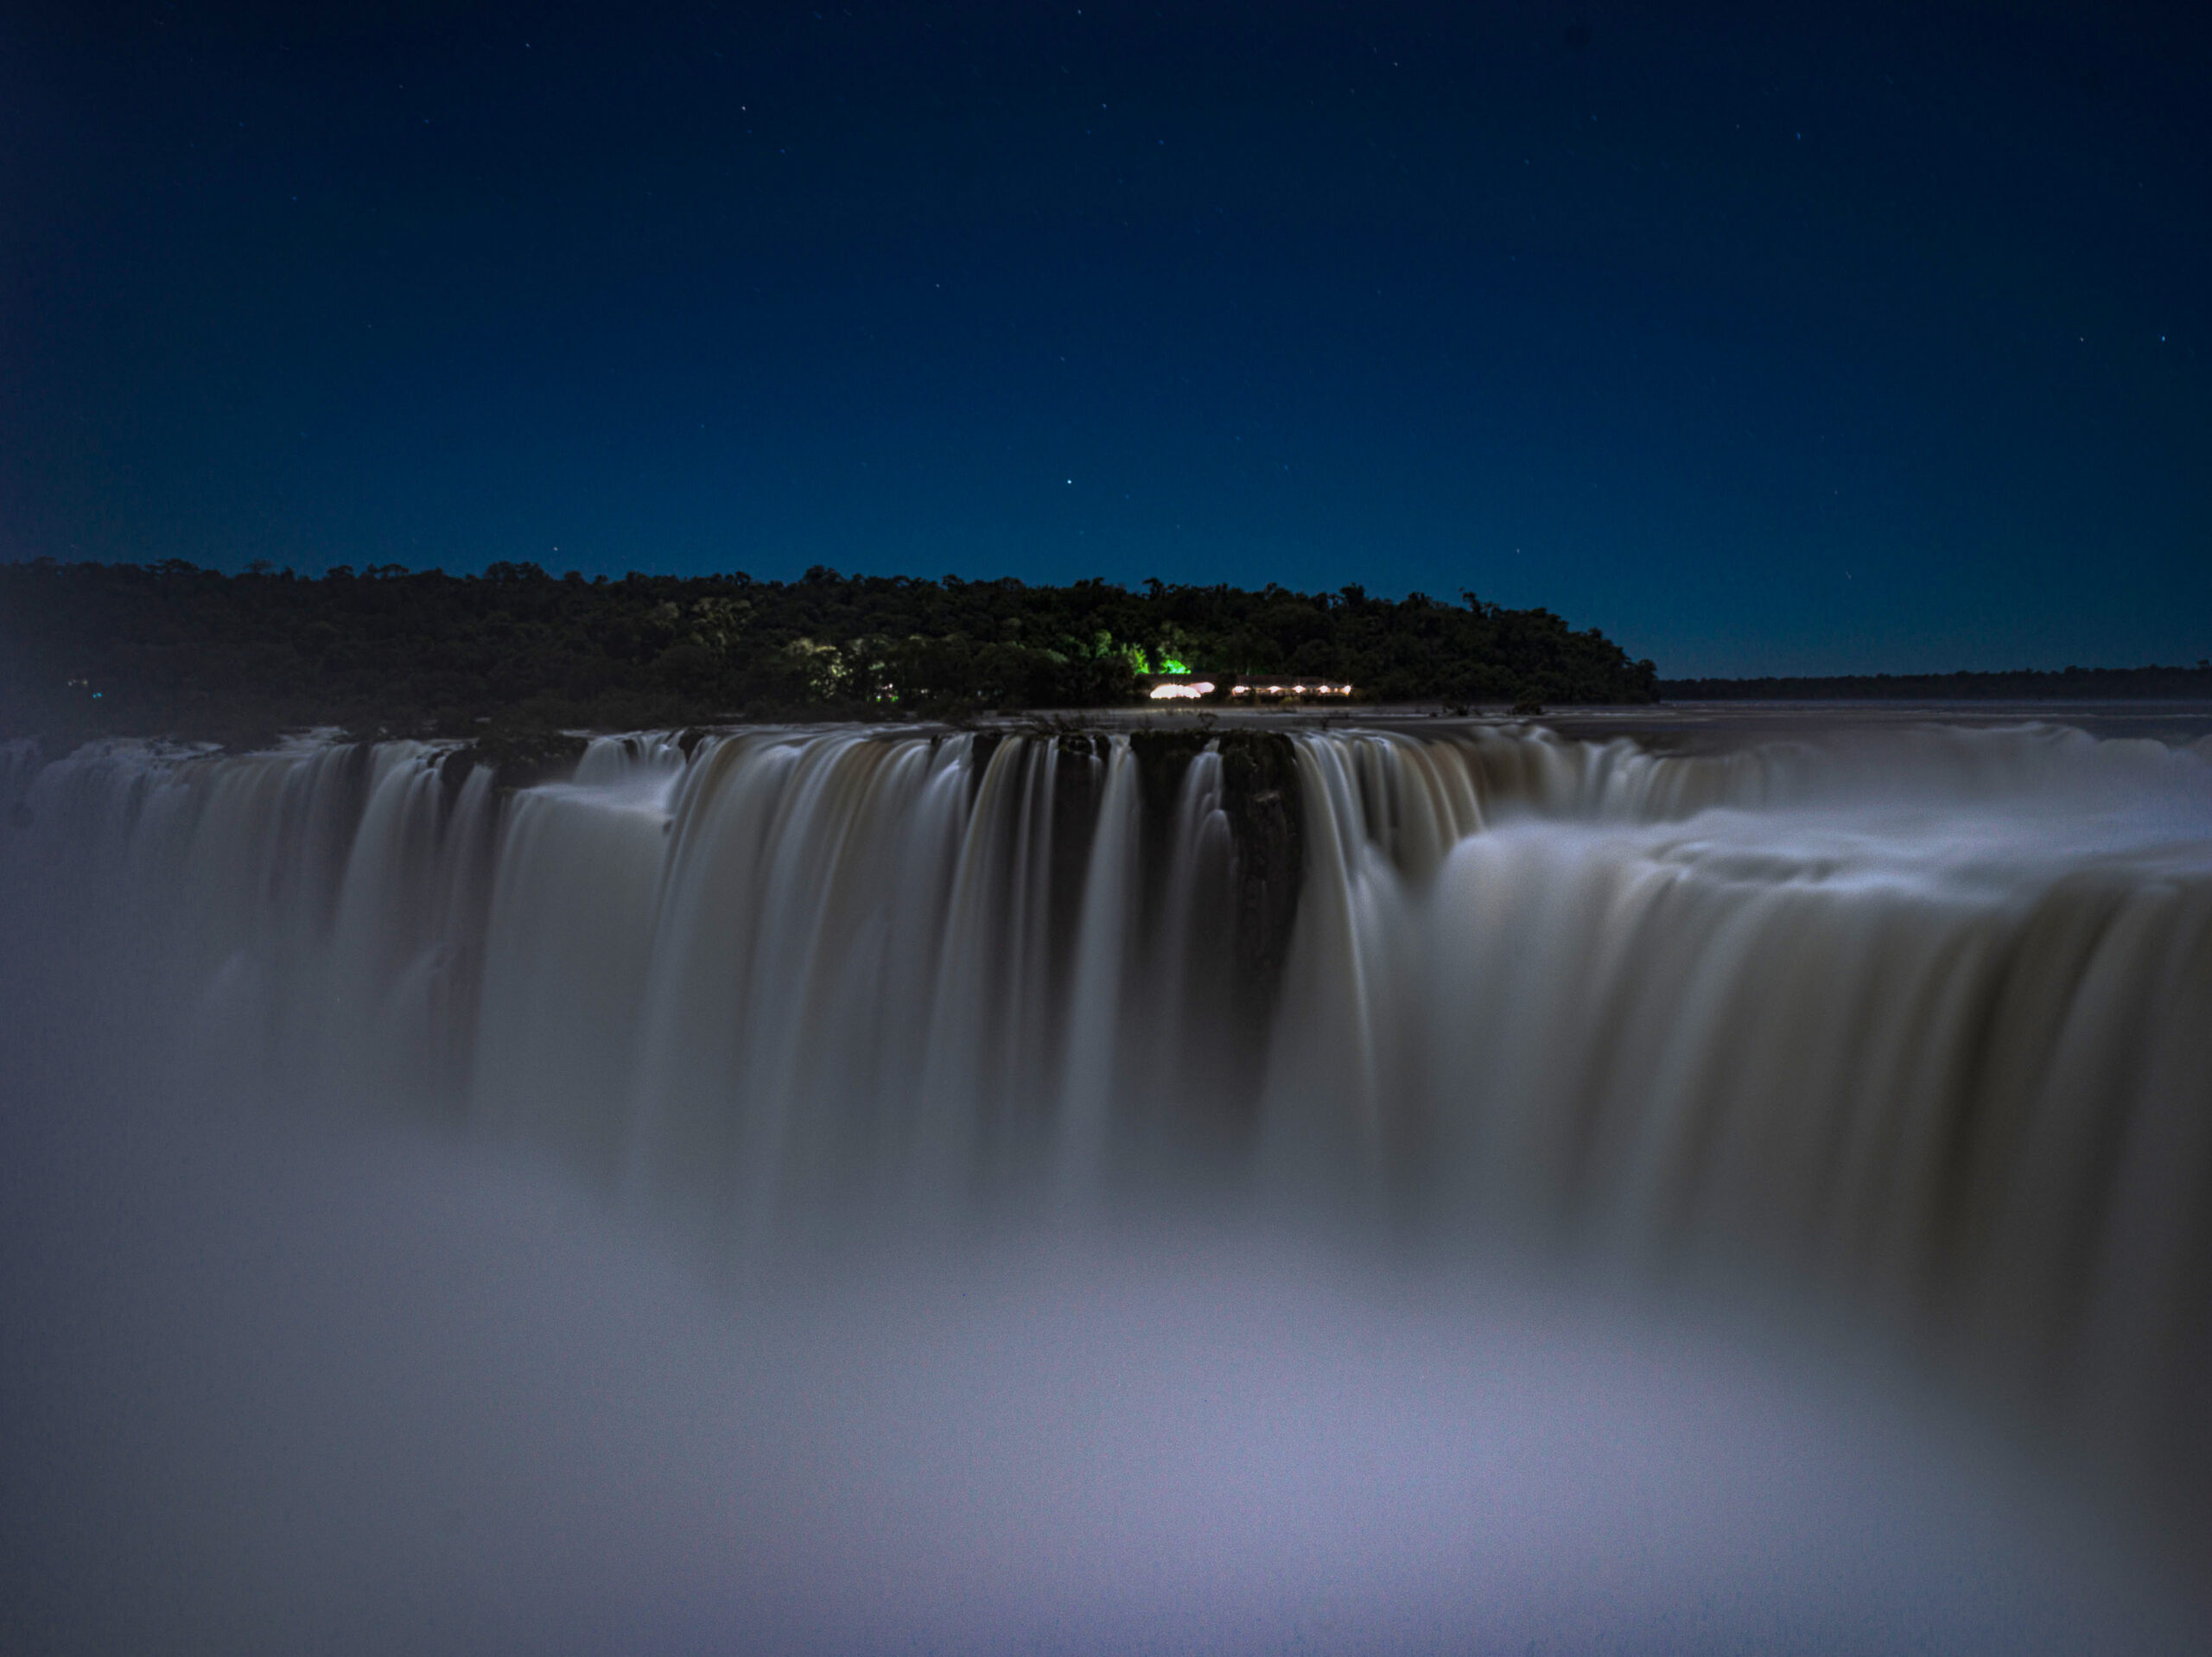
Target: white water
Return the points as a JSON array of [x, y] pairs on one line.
[[1914, 1030]]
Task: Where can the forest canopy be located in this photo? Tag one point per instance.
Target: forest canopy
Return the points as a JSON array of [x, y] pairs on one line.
[[172, 649]]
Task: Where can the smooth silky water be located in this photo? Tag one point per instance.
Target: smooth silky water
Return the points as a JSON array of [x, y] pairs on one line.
[[1449, 1187]]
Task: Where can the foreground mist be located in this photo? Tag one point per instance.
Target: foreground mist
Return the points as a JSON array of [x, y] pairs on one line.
[[844, 1193]]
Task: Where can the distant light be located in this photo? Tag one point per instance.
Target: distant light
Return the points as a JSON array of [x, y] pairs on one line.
[[1183, 693]]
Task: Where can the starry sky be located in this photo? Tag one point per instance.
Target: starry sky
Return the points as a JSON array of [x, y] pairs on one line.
[[1766, 342]]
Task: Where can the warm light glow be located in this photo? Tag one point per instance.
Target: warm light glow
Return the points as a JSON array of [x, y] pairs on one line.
[[1181, 693], [1323, 689]]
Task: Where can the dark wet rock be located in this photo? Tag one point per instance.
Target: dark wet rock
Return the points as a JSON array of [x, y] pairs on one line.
[[981, 747], [519, 758], [245, 735], [1078, 783], [1260, 792]]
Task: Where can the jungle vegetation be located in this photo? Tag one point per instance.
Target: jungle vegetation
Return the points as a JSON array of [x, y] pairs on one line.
[[172, 649]]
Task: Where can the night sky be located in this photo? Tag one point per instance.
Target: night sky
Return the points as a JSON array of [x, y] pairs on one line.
[[1789, 339]]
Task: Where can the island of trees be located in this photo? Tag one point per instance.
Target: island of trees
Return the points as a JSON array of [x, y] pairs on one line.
[[170, 649]]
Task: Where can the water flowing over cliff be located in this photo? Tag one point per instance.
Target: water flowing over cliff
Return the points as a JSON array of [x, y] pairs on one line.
[[1919, 1022]]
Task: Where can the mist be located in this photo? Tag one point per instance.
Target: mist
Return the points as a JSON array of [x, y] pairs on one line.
[[324, 1335]]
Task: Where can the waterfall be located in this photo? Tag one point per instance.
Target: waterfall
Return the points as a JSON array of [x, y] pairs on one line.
[[1927, 1024], [1921, 1020]]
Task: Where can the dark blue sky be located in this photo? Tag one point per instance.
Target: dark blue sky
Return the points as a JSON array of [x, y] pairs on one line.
[[1764, 342]]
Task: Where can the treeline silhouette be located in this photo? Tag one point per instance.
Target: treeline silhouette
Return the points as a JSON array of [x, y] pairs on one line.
[[172, 649], [2026, 684]]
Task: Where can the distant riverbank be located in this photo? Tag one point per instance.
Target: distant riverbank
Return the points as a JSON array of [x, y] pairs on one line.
[[2065, 684]]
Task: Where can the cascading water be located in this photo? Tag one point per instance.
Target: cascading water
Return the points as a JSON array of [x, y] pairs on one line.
[[1920, 1020]]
